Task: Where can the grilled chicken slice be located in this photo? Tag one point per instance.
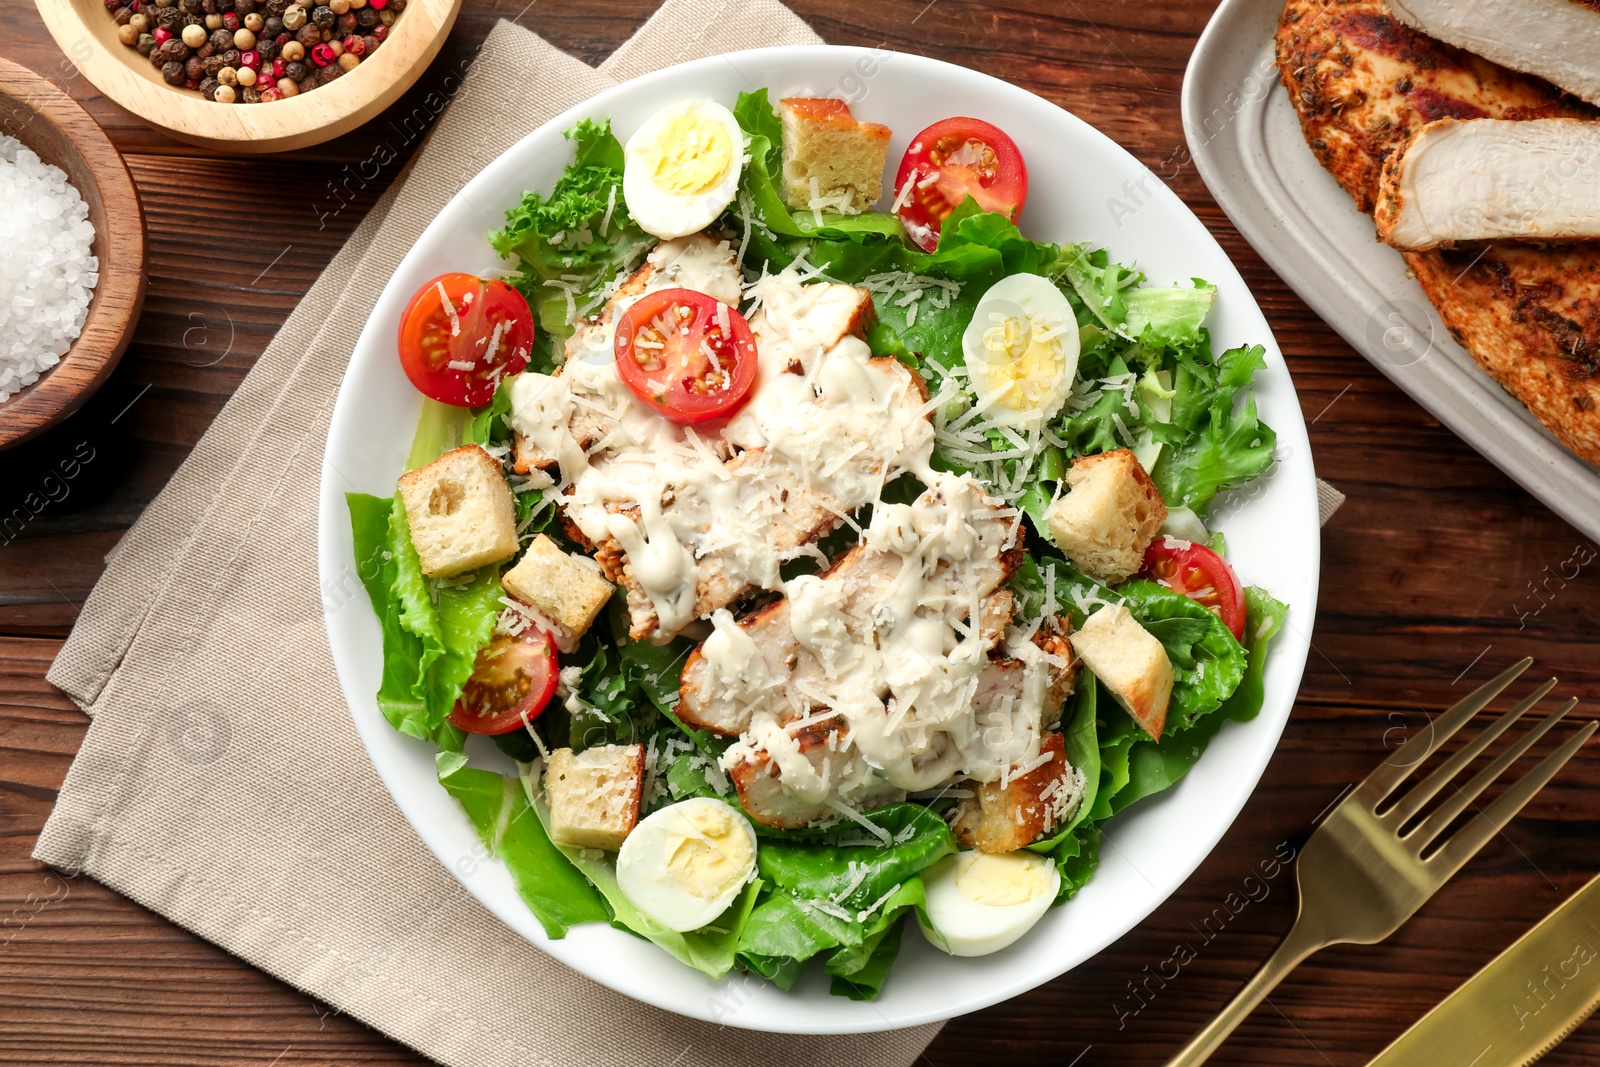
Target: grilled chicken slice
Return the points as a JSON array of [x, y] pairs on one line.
[[1364, 83], [1492, 179], [1558, 40], [860, 576], [767, 793], [1006, 816], [1530, 316]]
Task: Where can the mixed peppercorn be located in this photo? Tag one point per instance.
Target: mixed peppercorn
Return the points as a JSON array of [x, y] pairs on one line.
[[250, 51]]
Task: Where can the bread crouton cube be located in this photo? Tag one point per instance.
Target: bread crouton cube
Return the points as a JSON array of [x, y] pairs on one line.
[[594, 795], [1131, 663], [460, 511], [569, 591], [1005, 817], [828, 155], [1109, 515]]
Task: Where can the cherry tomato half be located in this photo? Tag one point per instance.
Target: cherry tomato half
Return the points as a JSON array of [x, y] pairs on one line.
[[949, 161], [512, 680], [686, 354], [461, 335], [1199, 574]]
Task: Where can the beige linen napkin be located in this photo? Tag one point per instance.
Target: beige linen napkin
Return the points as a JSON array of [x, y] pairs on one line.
[[222, 784]]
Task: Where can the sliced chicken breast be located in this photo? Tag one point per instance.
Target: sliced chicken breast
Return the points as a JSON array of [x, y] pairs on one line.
[[1557, 40], [1491, 179]]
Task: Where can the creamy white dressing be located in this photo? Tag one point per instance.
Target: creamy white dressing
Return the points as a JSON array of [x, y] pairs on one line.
[[901, 680], [833, 430]]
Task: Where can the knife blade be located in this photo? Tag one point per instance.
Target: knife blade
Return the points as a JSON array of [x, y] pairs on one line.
[[1522, 1004]]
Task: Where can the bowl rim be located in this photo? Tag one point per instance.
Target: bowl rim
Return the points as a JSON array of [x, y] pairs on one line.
[[118, 296], [295, 122]]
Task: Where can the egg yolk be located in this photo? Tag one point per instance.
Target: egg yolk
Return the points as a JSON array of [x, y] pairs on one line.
[[706, 852], [1001, 881], [690, 155], [1024, 360]]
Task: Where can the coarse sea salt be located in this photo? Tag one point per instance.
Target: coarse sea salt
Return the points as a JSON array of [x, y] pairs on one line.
[[46, 272]]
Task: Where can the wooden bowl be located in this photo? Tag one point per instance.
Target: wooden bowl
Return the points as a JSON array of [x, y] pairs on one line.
[[88, 35], [51, 123]]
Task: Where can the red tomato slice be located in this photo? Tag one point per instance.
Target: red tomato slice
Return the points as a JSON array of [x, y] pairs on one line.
[[1199, 574], [461, 335], [686, 354], [512, 680], [949, 161]]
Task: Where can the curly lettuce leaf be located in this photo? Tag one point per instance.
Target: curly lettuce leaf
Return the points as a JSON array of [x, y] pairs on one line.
[[571, 244], [1225, 444], [558, 894]]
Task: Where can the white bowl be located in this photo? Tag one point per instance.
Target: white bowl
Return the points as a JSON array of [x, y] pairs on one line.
[[1083, 188]]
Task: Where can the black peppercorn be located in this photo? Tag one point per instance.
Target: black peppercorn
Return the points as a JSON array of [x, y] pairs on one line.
[[122, 15], [208, 88], [309, 35], [169, 18], [366, 18], [272, 27], [251, 95], [231, 58], [371, 42], [295, 71], [194, 69], [345, 24], [146, 45], [322, 15], [191, 7], [308, 83], [172, 73], [396, 6], [211, 65], [268, 49], [173, 48], [275, 7], [329, 73], [221, 40]]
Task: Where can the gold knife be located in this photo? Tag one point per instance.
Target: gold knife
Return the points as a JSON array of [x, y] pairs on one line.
[[1522, 1005]]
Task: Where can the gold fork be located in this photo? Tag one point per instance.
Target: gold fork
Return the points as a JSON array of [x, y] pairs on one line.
[[1365, 870]]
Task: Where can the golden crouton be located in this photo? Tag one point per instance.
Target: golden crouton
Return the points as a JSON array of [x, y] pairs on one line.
[[829, 155], [1130, 662], [594, 795], [1108, 517], [461, 512], [571, 593]]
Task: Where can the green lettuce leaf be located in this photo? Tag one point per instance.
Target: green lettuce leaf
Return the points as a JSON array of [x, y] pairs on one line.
[[833, 895], [1225, 445], [558, 894], [565, 245]]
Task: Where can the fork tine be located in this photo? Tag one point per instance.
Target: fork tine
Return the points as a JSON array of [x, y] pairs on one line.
[[1470, 838], [1424, 791], [1445, 813], [1392, 771]]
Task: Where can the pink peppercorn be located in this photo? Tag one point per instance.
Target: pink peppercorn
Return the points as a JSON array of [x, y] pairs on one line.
[[251, 59], [283, 39], [380, 31], [355, 46], [161, 35], [377, 5], [277, 67], [322, 55]]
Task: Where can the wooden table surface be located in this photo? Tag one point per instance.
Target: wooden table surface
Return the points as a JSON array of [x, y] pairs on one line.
[[1437, 572]]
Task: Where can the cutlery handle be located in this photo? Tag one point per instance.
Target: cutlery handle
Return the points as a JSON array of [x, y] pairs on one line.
[[1294, 948]]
